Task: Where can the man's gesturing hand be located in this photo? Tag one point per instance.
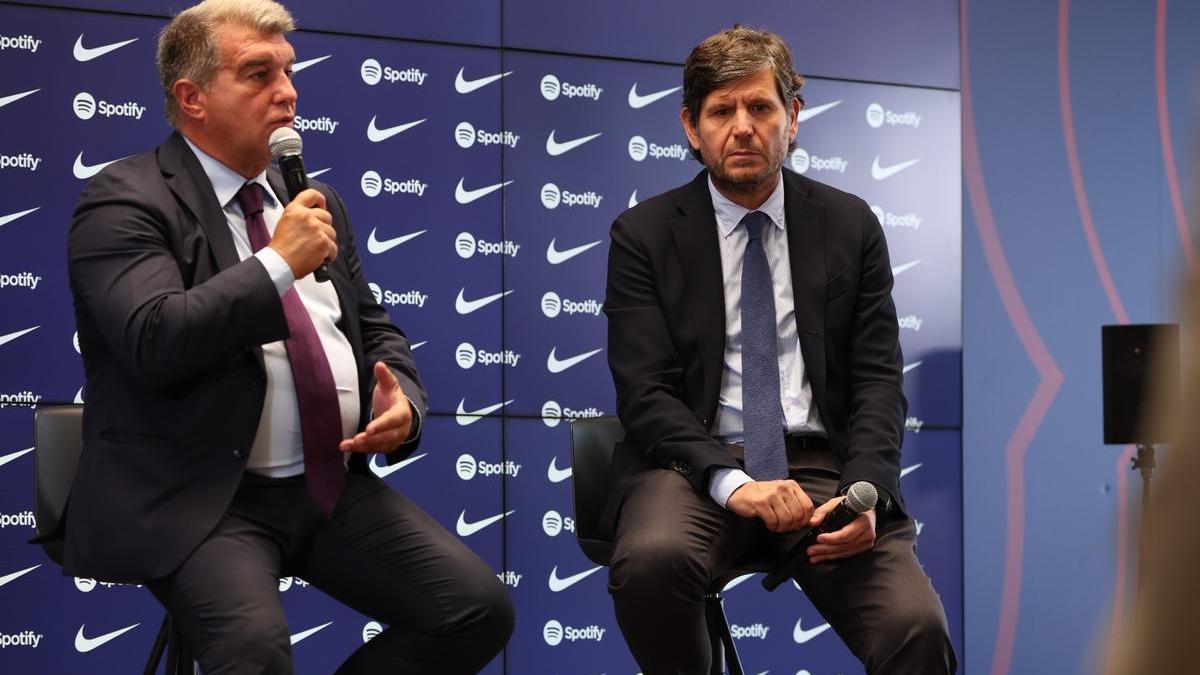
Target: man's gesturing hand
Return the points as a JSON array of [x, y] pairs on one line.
[[304, 236], [781, 504], [851, 540], [393, 416]]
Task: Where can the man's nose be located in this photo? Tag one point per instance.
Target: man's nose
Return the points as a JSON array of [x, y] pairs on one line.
[[743, 123]]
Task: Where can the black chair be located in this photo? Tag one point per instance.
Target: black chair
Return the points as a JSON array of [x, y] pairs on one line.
[[58, 443], [592, 441]]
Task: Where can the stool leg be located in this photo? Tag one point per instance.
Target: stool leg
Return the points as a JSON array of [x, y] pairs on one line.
[[724, 652], [160, 643]]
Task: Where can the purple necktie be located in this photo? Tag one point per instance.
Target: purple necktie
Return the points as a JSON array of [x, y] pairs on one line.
[[316, 394]]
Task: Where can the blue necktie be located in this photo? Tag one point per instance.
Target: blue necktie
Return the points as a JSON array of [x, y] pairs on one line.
[[762, 412]]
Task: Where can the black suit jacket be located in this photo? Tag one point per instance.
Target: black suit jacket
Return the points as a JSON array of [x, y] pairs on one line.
[[666, 333], [171, 325]]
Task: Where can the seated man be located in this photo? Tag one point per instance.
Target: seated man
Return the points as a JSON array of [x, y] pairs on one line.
[[231, 397], [754, 346]]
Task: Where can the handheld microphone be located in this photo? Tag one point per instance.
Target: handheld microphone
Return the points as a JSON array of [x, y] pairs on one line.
[[860, 498], [285, 146]]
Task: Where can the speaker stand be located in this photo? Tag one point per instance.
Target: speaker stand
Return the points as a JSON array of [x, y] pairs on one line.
[[1144, 461]]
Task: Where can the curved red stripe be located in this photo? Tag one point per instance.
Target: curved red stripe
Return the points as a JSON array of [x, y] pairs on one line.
[[1051, 377], [1164, 132], [1085, 212]]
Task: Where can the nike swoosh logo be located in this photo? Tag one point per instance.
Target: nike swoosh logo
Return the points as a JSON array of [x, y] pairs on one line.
[[301, 65], [559, 584], [5, 100], [14, 455], [465, 196], [641, 101], [15, 575], [557, 257], [555, 148], [5, 339], [79, 397], [376, 135], [85, 644], [555, 474], [4, 220], [308, 633], [376, 246], [318, 172], [464, 86], [83, 171], [885, 172], [465, 417], [83, 54], [633, 200], [417, 345], [385, 471], [912, 365], [554, 365], [464, 306], [800, 635], [465, 529], [909, 469], [737, 581], [900, 269], [809, 113]]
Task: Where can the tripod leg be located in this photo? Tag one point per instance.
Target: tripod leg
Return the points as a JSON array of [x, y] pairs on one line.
[[724, 652]]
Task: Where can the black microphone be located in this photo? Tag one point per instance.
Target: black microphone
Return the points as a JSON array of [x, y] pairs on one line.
[[860, 498], [285, 146]]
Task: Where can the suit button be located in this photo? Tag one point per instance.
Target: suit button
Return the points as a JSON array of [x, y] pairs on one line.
[[239, 453]]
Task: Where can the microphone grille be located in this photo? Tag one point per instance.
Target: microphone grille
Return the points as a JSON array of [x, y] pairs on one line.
[[285, 142], [861, 497]]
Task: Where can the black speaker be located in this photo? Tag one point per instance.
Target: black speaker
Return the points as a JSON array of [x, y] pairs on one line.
[[1130, 354]]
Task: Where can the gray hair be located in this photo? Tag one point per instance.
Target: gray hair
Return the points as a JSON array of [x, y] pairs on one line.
[[731, 55], [188, 49]]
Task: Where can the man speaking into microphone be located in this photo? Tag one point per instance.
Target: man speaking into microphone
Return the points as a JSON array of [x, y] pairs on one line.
[[754, 347], [231, 397]]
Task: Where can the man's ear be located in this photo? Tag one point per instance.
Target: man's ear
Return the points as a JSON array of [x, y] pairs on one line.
[[689, 127], [190, 98]]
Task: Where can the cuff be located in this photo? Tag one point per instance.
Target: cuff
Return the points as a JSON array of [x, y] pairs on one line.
[[277, 268], [724, 481], [414, 431]]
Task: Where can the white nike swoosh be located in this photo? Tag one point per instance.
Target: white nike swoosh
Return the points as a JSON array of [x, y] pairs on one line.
[[464, 306], [737, 581], [885, 172], [15, 575], [900, 269], [308, 633], [79, 397], [5, 100], [554, 365], [641, 101], [4, 220], [86, 644], [376, 135], [555, 148], [5, 339], [909, 469], [301, 65], [465, 417], [555, 474], [557, 257], [465, 529], [633, 201], [385, 471], [318, 172], [82, 53], [83, 171], [417, 345], [809, 113], [912, 365], [376, 246], [14, 455], [801, 636], [558, 584], [465, 196], [464, 86]]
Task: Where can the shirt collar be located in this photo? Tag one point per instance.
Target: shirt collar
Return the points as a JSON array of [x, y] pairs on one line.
[[225, 181], [729, 215]]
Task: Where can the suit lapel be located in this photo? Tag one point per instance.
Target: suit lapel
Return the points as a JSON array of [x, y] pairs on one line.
[[186, 178], [695, 234], [806, 252]]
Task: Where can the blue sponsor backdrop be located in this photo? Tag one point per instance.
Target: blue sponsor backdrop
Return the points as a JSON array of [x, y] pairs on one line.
[[482, 176]]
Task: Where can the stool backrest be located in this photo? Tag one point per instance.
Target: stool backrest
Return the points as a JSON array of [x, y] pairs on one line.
[[592, 441], [58, 443]]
